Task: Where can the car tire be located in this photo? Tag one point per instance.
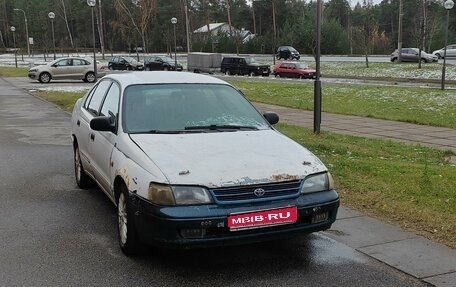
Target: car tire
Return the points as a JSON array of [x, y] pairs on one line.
[[44, 77], [110, 67], [282, 75], [82, 179], [266, 75], [394, 60], [129, 68], [438, 56], [252, 74], [165, 68], [146, 69], [128, 237], [423, 61], [90, 77]]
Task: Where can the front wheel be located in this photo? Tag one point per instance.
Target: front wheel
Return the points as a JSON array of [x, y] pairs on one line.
[[128, 237], [252, 74], [44, 77], [165, 69], [438, 56], [423, 61]]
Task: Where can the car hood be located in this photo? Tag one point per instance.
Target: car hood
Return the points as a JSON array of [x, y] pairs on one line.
[[39, 67], [228, 158]]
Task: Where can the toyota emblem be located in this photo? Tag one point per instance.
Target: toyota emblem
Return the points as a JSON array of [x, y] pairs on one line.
[[259, 192]]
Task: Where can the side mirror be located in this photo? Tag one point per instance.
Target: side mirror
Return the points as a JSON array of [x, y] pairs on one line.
[[102, 124], [271, 117]]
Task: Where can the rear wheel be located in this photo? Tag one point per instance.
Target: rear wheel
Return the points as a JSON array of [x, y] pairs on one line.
[[128, 238], [44, 77], [82, 179], [252, 74], [165, 68]]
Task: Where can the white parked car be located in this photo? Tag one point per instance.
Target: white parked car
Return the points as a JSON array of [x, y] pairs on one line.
[[75, 68], [450, 52], [189, 162]]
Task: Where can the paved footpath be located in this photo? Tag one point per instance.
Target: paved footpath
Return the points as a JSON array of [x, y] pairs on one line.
[[424, 259], [442, 138]]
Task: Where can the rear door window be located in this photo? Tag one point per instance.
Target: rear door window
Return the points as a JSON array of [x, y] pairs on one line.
[[97, 97]]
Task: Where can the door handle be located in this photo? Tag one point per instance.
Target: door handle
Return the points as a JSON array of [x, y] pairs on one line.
[[92, 136], [78, 123]]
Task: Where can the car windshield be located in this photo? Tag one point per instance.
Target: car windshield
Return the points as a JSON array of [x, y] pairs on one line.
[[130, 59], [167, 59], [165, 108], [251, 60]]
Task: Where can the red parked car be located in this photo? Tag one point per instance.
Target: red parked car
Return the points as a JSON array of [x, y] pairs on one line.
[[294, 70]]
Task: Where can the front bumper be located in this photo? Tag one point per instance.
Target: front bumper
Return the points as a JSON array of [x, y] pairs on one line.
[[207, 224], [32, 76]]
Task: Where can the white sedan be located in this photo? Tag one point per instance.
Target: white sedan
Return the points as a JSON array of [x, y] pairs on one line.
[[189, 162]]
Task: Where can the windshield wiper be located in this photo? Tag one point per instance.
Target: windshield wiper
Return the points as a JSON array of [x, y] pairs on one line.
[[159, 132], [221, 127]]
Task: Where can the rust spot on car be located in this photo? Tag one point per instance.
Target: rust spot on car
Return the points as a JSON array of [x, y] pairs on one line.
[[284, 177], [123, 173]]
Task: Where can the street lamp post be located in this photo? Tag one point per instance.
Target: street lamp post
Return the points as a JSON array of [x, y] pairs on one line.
[[317, 83], [13, 29], [174, 22], [51, 16], [92, 4], [448, 6], [26, 30]]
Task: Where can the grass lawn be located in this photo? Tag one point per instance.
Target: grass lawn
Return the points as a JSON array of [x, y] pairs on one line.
[[388, 70], [410, 185], [13, 72], [415, 105], [65, 100]]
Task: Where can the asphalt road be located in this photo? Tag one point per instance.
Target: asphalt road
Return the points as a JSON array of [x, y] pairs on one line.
[[54, 234]]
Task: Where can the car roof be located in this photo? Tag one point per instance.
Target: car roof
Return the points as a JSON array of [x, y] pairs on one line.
[[163, 77]]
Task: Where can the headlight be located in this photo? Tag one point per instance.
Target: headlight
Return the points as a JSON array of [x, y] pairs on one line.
[[178, 195], [161, 194], [33, 70], [318, 182], [191, 195]]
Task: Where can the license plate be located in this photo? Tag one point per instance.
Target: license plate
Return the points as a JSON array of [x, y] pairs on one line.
[[263, 218]]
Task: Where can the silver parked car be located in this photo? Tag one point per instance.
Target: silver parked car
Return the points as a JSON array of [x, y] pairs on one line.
[[412, 55], [189, 162], [450, 51], [75, 68]]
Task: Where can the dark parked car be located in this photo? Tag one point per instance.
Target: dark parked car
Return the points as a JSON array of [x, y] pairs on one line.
[[411, 55], [124, 63], [294, 70], [287, 53], [244, 66], [161, 63]]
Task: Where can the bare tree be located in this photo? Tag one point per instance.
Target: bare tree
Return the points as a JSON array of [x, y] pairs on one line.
[[65, 18], [138, 13]]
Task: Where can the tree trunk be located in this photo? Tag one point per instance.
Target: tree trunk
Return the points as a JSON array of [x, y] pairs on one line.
[[100, 31], [66, 23]]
